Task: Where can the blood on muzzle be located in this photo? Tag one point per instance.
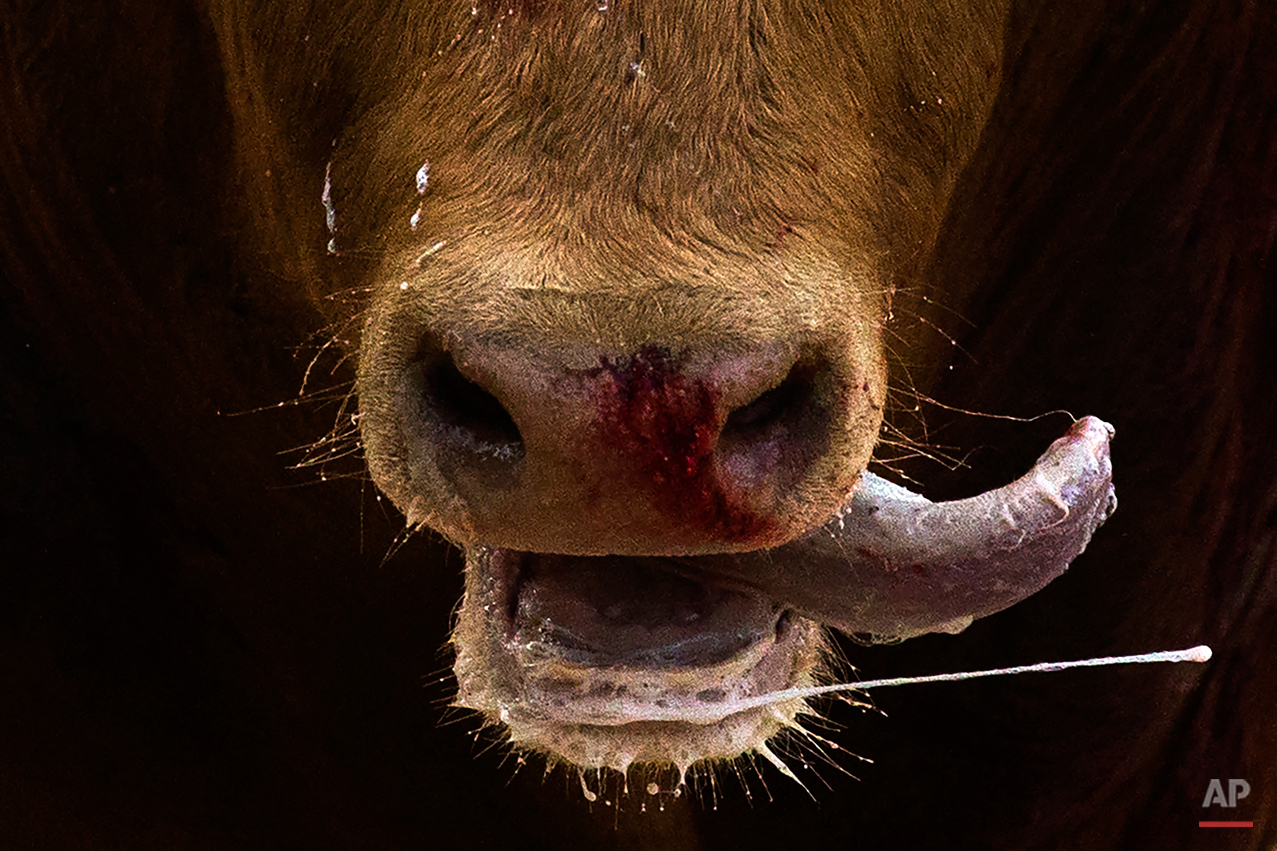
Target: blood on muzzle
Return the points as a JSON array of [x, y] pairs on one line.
[[655, 452]]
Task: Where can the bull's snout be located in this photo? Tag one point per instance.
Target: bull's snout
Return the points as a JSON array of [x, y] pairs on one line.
[[657, 450]]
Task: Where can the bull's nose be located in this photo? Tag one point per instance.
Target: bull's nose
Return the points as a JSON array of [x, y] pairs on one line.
[[653, 450]]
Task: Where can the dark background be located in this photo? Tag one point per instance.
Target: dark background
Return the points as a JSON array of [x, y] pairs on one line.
[[201, 647]]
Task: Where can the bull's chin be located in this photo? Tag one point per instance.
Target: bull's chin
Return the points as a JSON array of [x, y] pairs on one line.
[[609, 661]]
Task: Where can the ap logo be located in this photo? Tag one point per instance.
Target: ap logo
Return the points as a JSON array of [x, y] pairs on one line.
[[1237, 789]]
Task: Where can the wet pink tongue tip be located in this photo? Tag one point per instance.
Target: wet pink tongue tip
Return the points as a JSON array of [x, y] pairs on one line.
[[892, 564]]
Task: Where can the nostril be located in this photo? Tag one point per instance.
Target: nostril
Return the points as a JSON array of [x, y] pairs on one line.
[[786, 401], [766, 408], [782, 430], [469, 418]]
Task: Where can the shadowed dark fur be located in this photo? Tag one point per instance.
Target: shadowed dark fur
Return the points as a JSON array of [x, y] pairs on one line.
[[199, 651]]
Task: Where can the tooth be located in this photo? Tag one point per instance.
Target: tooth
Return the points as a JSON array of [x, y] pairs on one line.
[[892, 564]]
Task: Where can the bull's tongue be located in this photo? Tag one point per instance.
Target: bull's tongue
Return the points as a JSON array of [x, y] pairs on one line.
[[892, 564]]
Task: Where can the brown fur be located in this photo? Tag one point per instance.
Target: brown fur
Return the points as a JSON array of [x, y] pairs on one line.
[[621, 189], [605, 180]]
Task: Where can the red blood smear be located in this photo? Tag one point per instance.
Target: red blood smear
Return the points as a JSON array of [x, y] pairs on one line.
[[662, 426]]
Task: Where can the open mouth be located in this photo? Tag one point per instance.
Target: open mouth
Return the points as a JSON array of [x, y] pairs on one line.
[[610, 661], [612, 640], [606, 660], [636, 612]]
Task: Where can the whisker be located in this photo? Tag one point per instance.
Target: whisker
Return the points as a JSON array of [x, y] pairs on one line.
[[710, 713], [1200, 653]]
